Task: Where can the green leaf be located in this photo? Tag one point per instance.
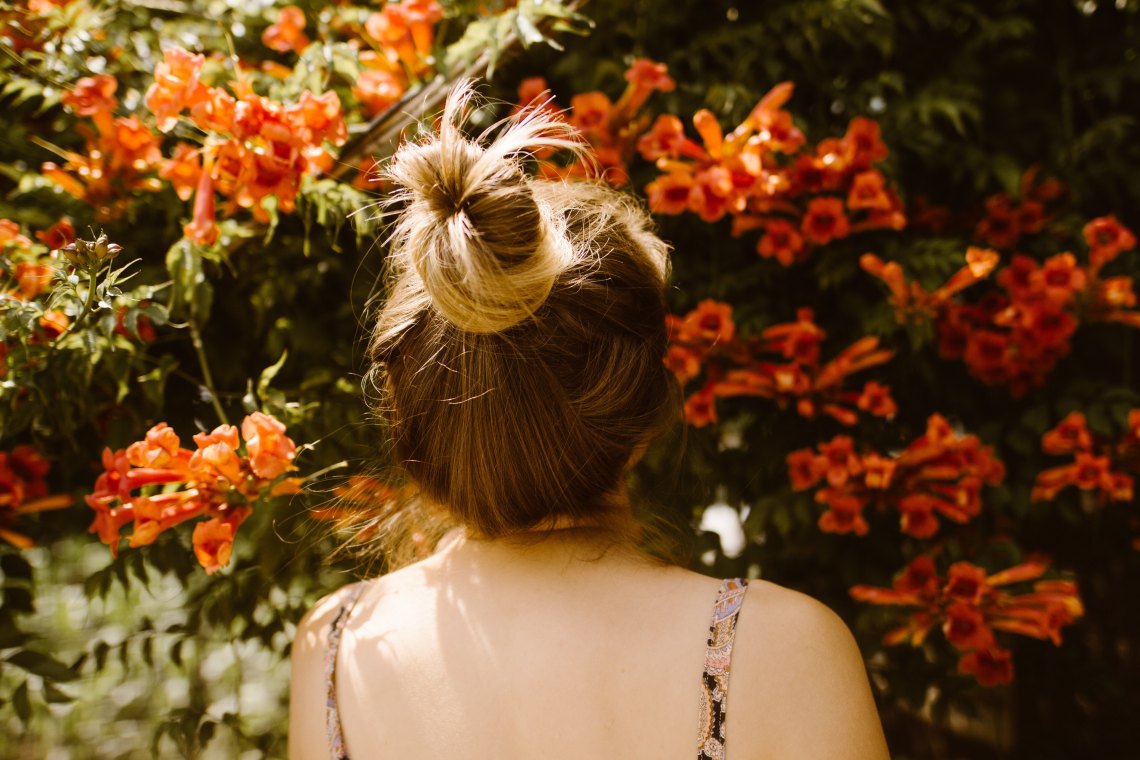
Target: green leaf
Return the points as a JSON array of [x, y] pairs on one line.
[[269, 373], [20, 702], [528, 32], [42, 665], [55, 695]]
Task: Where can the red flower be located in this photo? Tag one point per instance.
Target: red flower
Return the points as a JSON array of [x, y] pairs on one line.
[[805, 468], [1070, 435], [919, 577], [92, 96], [1031, 216], [683, 362], [270, 451], [183, 170], [966, 582], [318, 118], [863, 136], [645, 77], [710, 323], [700, 408], [876, 400], [840, 460], [650, 75], [213, 543], [57, 236], [1106, 238], [824, 221], [917, 515], [797, 340], [666, 139], [868, 192], [986, 354], [1092, 471], [160, 448], [1019, 276], [1000, 227], [844, 514], [1059, 278], [215, 112], [533, 89], [377, 90], [288, 33], [966, 628], [590, 112], [176, 86], [1115, 293], [669, 193], [1047, 325], [203, 229], [878, 472], [990, 666], [781, 241], [1051, 482], [710, 195]]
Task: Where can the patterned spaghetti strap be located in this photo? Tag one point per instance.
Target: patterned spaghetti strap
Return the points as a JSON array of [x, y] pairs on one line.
[[332, 714], [718, 665]]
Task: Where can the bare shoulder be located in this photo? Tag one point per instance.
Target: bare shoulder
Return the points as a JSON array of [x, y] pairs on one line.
[[307, 686], [799, 686]]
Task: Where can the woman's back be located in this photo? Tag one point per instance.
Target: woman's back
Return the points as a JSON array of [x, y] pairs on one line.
[[567, 649], [520, 356]]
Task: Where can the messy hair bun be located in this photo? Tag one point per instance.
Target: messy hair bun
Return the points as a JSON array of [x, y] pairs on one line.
[[519, 349], [487, 250]]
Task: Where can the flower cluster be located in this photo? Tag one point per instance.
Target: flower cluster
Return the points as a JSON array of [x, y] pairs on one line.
[[1007, 220], [911, 301], [766, 176], [394, 46], [26, 274], [1097, 462], [399, 37], [28, 25], [970, 606], [119, 157], [256, 148], [611, 128], [735, 366], [941, 473], [157, 484], [287, 34], [23, 490], [1016, 337]]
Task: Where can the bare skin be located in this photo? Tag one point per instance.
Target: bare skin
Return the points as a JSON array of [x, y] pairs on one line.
[[568, 648]]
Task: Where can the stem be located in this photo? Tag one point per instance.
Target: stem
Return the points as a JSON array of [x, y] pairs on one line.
[[207, 377], [88, 303]]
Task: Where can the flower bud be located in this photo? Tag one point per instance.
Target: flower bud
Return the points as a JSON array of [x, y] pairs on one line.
[[88, 253]]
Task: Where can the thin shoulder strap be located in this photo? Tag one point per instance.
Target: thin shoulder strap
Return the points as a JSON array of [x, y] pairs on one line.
[[718, 663], [332, 715]]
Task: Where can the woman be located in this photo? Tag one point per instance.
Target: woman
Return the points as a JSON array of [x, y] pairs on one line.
[[520, 356]]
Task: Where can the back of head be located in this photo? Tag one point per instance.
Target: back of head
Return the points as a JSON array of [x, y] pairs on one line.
[[520, 346]]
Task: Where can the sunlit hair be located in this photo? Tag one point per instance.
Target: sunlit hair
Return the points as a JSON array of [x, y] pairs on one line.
[[518, 353]]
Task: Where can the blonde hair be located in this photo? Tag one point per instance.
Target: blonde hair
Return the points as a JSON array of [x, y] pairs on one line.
[[519, 351]]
